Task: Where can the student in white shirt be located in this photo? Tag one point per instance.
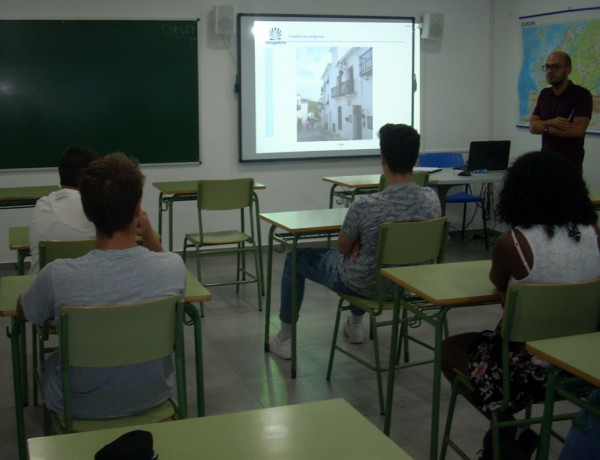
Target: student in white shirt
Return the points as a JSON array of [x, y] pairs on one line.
[[59, 215]]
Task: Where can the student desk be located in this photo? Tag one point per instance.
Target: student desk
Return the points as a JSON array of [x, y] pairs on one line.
[[316, 430], [446, 285], [19, 241], [18, 238], [353, 185], [187, 190], [23, 197], [576, 354], [448, 177], [293, 226], [442, 180], [357, 185], [11, 288]]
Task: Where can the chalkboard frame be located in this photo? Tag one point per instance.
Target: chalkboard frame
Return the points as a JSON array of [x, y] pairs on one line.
[[112, 85]]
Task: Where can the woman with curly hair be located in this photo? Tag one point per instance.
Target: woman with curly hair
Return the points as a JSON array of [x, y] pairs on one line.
[[554, 238]]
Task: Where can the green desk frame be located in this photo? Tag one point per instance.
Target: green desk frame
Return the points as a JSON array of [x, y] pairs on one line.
[[578, 356], [447, 286], [346, 188], [294, 226]]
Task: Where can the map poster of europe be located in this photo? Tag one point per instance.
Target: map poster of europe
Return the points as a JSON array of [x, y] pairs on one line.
[[576, 32]]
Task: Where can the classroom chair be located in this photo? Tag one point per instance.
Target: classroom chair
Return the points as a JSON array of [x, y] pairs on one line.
[[400, 243], [531, 312], [50, 250], [121, 335], [450, 160], [215, 199], [421, 178]]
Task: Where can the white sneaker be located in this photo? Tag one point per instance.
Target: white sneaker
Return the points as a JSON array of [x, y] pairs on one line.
[[279, 348], [354, 332]]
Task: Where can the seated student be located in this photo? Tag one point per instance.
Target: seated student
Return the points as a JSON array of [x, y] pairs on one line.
[[118, 271], [583, 440], [553, 239], [351, 268], [59, 216]]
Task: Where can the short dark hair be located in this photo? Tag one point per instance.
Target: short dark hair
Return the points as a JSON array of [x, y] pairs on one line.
[[111, 188], [544, 188], [72, 163], [399, 145]]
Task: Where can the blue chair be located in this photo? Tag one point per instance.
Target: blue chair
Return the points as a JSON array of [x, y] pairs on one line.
[[450, 160]]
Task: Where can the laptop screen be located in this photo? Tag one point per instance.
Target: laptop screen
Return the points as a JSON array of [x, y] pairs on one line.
[[490, 155]]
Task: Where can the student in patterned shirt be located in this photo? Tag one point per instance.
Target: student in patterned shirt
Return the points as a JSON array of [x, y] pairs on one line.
[[351, 268]]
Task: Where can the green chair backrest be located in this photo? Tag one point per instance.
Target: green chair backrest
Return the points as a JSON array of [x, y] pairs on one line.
[[120, 335], [50, 250], [224, 194], [543, 311], [421, 178], [405, 243]]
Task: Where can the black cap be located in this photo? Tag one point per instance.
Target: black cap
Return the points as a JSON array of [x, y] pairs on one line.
[[134, 445]]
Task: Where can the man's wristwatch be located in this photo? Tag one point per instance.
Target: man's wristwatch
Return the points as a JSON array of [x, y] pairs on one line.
[[546, 129]]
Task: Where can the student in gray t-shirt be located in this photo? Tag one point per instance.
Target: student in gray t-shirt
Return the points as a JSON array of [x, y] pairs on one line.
[[118, 271], [351, 268]]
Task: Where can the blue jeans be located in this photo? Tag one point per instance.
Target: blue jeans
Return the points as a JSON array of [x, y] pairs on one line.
[[583, 440], [317, 264]]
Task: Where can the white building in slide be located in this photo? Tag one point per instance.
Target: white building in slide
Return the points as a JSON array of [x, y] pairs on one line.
[[347, 94]]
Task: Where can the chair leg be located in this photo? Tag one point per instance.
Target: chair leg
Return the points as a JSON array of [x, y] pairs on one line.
[[198, 266], [495, 435], [258, 275], [378, 370], [47, 424], [449, 417], [485, 235], [184, 249], [446, 330], [336, 328], [462, 231], [241, 267], [34, 363], [403, 338]]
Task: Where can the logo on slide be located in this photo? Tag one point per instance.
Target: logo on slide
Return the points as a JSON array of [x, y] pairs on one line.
[[275, 34]]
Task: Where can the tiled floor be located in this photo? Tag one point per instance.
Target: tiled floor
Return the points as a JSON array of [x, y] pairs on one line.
[[240, 376]]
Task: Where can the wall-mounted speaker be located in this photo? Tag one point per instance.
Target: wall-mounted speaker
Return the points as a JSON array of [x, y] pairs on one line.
[[224, 20], [433, 26]]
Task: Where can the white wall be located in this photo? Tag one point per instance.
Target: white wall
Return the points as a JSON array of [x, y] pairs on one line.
[[468, 91]]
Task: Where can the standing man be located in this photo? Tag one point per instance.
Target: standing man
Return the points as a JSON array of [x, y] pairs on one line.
[[563, 111], [351, 269]]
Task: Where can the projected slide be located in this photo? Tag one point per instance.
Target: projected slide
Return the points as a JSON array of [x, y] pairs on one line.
[[318, 87]]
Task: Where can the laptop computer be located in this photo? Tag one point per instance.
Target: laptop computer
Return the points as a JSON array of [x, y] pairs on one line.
[[489, 155]]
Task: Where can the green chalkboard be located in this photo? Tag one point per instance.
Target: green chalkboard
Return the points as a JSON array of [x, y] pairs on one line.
[[111, 85]]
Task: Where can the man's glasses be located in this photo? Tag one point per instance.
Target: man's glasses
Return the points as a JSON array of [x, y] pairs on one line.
[[547, 67]]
